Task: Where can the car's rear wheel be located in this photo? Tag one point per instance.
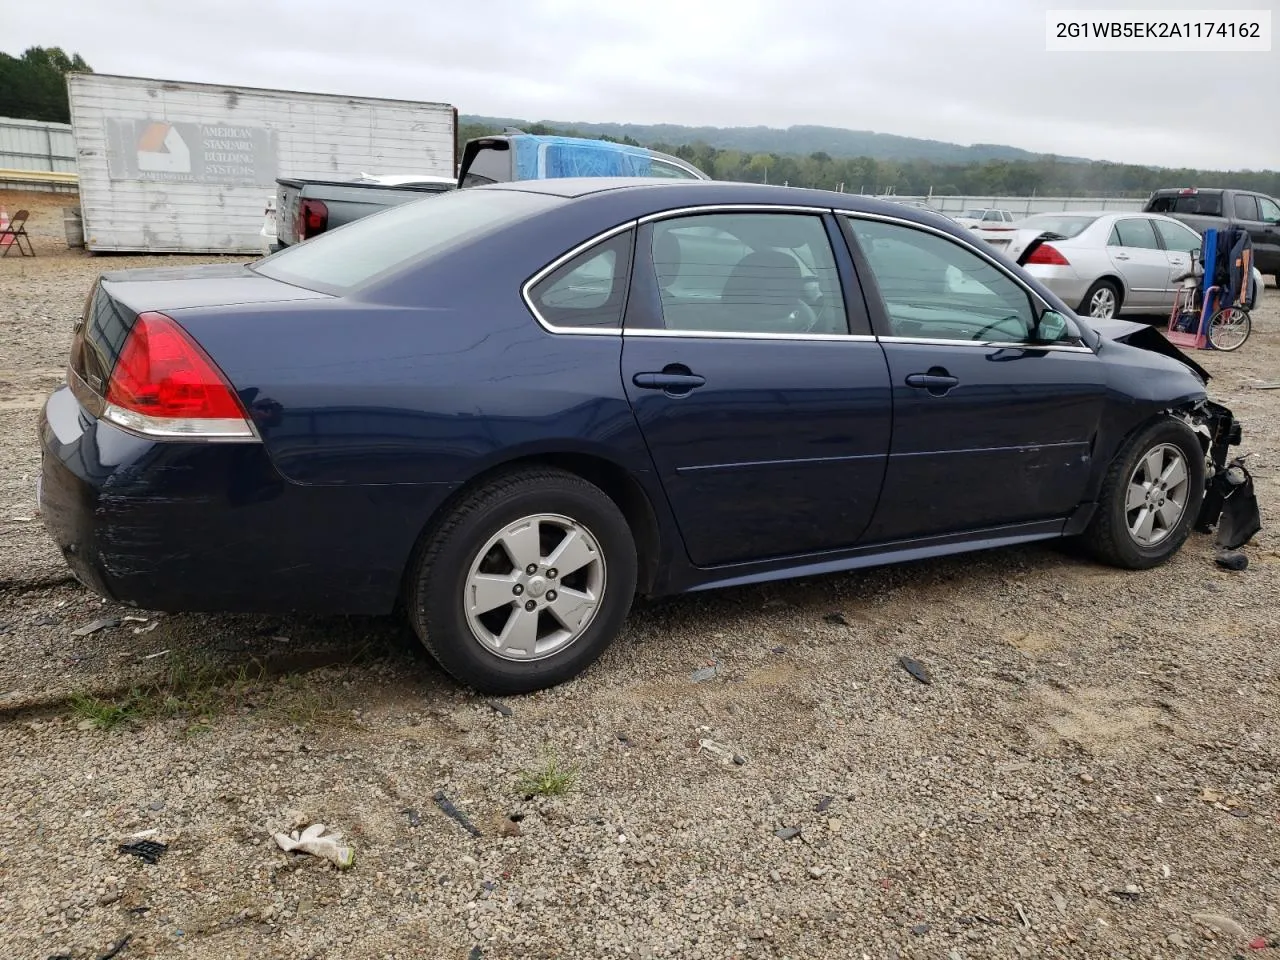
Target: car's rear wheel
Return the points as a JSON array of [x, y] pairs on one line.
[[1102, 301], [524, 583], [1150, 497]]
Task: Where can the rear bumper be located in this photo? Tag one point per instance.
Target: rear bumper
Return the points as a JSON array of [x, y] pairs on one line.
[[1065, 283], [212, 527]]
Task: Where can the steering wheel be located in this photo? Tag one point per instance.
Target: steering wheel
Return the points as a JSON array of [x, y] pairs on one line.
[[996, 323], [803, 319]]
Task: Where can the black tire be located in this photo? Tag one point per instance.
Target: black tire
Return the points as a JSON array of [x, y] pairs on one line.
[[1108, 537], [1116, 293], [437, 578]]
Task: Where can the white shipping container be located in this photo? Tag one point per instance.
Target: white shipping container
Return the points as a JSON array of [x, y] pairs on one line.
[[170, 167]]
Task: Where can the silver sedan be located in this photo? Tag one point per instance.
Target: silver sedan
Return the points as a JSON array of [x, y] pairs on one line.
[[1107, 264]]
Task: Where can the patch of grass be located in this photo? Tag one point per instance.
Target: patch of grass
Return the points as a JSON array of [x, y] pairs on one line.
[[552, 779], [199, 689], [103, 714]]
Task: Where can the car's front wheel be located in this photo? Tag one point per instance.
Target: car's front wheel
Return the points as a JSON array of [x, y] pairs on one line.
[[1150, 497], [524, 583]]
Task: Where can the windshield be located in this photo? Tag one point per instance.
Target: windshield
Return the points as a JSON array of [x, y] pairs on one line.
[[1063, 225], [374, 246]]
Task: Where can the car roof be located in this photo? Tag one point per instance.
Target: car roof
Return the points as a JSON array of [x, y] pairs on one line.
[[703, 192]]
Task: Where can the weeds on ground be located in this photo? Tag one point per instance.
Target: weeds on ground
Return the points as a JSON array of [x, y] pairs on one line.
[[199, 689], [549, 780]]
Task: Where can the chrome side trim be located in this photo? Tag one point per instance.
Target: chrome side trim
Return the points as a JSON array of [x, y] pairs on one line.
[[733, 335], [989, 344], [556, 264]]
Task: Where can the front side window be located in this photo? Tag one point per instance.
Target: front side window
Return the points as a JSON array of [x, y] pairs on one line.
[[770, 273], [1176, 237], [936, 288], [588, 291], [1269, 210], [1135, 232]]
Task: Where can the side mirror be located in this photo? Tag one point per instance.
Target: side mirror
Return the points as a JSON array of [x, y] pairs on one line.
[[1052, 327]]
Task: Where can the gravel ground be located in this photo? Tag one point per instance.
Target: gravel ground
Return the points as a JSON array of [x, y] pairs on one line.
[[1091, 773]]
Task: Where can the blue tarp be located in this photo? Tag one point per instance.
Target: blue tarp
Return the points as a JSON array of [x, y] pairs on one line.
[[541, 158]]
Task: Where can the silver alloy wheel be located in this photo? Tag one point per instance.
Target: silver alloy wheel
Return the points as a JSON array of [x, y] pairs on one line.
[[1156, 496], [534, 587], [1103, 303]]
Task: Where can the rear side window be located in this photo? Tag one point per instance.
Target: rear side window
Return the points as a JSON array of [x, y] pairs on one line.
[[1246, 206], [661, 168], [1135, 232], [375, 246], [589, 291]]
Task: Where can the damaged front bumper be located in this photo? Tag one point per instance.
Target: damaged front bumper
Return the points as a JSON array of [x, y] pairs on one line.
[[1230, 503]]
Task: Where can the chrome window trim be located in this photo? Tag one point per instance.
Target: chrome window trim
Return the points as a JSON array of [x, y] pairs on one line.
[[734, 335], [732, 208], [990, 344], [1035, 297], [526, 291]]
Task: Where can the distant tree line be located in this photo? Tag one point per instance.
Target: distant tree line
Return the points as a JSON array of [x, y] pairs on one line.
[[1043, 176], [34, 86]]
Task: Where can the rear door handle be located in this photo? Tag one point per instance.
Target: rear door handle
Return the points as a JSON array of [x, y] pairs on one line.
[[671, 382]]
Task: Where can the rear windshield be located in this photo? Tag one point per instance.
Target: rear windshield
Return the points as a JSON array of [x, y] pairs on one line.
[[1205, 204], [1064, 226], [375, 246]]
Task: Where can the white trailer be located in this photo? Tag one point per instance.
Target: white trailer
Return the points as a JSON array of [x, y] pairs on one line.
[[169, 167]]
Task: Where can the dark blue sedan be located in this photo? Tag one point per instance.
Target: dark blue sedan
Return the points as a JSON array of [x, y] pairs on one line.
[[509, 409]]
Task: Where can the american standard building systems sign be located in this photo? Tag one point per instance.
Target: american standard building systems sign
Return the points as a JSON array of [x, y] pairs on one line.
[[191, 152]]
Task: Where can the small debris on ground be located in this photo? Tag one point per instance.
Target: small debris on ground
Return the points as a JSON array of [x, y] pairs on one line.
[[822, 804], [837, 618], [317, 842], [717, 750], [147, 628], [1231, 560], [115, 949], [702, 674], [415, 818], [94, 627], [497, 706], [787, 833], [148, 850], [446, 805], [1217, 922], [475, 954], [920, 929], [916, 669]]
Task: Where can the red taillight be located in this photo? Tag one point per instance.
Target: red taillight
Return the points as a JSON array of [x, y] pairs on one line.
[[313, 218], [163, 384], [1048, 255]]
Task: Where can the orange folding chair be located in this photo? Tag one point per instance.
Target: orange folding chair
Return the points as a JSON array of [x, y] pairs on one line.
[[13, 235]]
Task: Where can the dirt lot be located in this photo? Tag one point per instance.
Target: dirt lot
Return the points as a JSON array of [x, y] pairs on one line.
[[1091, 773]]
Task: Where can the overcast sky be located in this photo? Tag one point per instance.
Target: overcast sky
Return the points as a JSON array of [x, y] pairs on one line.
[[956, 70]]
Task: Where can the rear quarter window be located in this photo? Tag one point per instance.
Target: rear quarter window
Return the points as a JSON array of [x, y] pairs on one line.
[[376, 246]]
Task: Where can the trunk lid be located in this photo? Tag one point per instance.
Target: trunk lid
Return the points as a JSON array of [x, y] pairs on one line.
[[118, 297]]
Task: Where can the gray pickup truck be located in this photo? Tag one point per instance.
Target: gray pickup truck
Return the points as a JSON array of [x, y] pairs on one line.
[[1202, 209], [305, 208]]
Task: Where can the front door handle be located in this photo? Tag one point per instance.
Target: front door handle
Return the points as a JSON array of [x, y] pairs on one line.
[[676, 383], [1122, 256], [937, 381]]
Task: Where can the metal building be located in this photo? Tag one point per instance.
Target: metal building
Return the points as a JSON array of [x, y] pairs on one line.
[[169, 167]]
